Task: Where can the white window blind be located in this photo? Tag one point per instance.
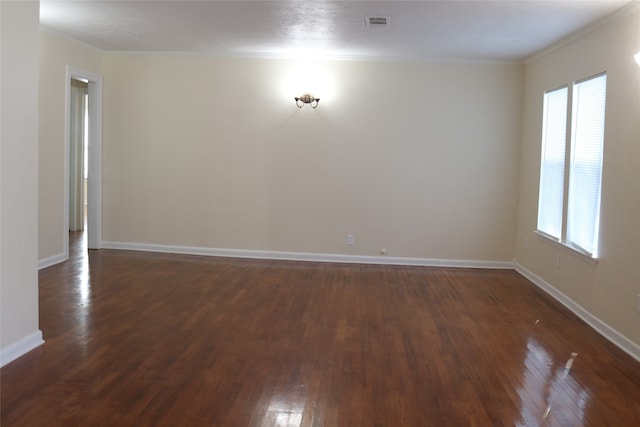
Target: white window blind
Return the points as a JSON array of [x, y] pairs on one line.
[[585, 169], [554, 142]]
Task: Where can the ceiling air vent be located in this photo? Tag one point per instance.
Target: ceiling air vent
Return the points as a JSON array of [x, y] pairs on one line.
[[377, 21]]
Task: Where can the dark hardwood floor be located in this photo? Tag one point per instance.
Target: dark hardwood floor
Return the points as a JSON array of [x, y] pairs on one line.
[[141, 339]]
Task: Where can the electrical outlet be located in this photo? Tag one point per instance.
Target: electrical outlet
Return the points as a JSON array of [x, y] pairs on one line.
[[350, 240]]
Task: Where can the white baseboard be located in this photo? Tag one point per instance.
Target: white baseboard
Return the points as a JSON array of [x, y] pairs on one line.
[[52, 260], [624, 343], [21, 347], [303, 256]]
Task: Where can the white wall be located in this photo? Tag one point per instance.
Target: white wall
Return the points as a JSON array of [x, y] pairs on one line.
[[19, 179], [56, 54], [606, 293], [420, 159]]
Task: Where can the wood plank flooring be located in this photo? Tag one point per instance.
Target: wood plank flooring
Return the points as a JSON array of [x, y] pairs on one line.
[[142, 339]]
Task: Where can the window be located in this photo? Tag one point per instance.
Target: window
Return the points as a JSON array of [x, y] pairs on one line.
[[554, 141], [569, 196]]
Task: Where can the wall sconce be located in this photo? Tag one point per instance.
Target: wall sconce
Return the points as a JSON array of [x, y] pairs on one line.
[[637, 58], [307, 99]]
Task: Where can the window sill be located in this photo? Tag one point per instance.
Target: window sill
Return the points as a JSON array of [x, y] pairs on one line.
[[583, 256]]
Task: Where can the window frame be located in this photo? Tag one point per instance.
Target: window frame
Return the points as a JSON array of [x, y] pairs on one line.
[[564, 241]]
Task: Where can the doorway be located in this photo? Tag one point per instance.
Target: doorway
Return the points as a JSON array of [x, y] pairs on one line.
[[78, 153], [83, 162]]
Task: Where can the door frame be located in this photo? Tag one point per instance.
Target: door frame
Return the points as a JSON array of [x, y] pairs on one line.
[[94, 158]]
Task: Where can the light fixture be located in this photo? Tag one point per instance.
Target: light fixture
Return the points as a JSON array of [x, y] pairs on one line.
[[307, 99], [637, 58]]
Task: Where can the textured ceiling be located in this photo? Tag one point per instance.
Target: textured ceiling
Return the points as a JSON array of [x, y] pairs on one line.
[[419, 30]]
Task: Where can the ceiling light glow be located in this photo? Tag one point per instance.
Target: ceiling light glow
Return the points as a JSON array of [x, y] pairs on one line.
[[309, 77]]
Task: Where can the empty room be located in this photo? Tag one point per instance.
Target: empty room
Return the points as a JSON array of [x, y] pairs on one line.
[[320, 213]]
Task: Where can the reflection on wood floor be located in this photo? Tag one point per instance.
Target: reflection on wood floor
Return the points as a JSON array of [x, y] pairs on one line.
[[136, 339]]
